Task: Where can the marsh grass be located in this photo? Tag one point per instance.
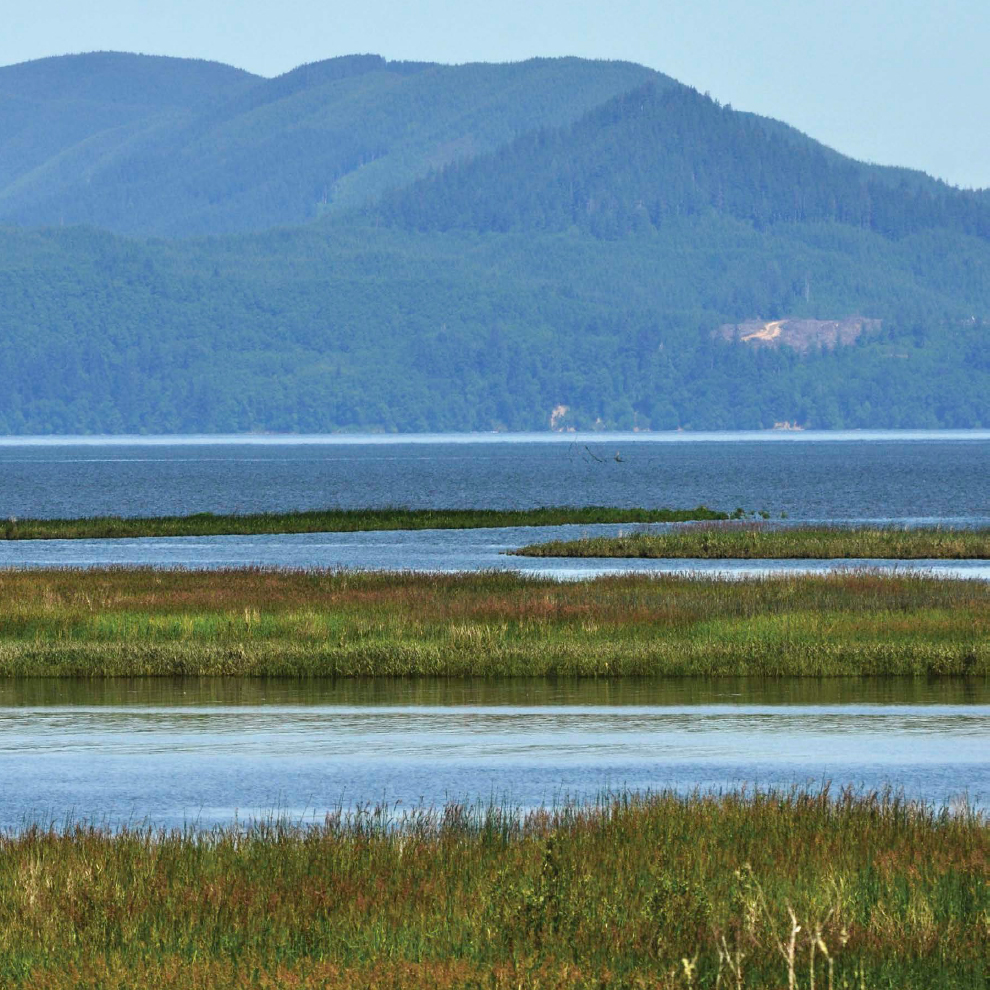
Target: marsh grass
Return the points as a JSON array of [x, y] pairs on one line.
[[759, 541], [335, 521], [762, 890], [126, 622]]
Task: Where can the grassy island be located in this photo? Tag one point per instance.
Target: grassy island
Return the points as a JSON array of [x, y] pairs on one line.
[[258, 622], [755, 541], [766, 890], [336, 521]]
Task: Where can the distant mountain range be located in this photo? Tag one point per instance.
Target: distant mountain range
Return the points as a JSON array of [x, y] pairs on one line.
[[362, 244], [175, 147]]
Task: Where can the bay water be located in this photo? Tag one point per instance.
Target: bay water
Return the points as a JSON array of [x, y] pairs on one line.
[[202, 752]]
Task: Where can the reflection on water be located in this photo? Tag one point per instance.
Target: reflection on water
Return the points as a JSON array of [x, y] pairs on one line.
[[379, 692], [203, 750]]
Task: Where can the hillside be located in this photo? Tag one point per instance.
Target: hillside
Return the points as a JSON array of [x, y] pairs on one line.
[[57, 115], [656, 153], [350, 327], [175, 147], [499, 242], [151, 82], [263, 152]]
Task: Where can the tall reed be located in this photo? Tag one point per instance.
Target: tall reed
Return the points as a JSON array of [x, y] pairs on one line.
[[759, 890]]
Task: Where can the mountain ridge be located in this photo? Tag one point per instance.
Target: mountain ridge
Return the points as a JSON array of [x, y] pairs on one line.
[[277, 149], [158, 146], [397, 246], [123, 77], [652, 153]]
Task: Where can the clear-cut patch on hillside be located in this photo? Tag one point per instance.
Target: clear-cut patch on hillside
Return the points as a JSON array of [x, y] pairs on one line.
[[802, 335]]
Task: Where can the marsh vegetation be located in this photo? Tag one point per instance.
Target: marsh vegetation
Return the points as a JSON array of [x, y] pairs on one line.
[[756, 541], [336, 521], [126, 622], [764, 890]]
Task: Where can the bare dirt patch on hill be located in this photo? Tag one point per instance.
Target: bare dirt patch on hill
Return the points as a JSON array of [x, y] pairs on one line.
[[801, 334]]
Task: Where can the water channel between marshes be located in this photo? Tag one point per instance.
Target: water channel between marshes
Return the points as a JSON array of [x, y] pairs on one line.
[[204, 751], [886, 478], [425, 550]]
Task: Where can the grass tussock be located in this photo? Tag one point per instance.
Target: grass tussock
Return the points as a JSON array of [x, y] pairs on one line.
[[765, 890], [336, 521], [755, 541], [134, 622]]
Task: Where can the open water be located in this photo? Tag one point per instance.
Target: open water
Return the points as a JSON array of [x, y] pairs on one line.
[[202, 752], [824, 476], [896, 478]]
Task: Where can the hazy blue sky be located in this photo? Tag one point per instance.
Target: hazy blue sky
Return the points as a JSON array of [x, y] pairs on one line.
[[902, 82]]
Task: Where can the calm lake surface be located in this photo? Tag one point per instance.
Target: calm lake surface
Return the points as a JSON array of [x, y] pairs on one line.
[[183, 752], [203, 751]]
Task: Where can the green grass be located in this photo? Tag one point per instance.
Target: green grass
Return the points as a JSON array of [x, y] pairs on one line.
[[658, 891], [147, 622], [756, 541], [335, 521]]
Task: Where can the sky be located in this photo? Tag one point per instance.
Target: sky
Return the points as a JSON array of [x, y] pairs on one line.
[[898, 82]]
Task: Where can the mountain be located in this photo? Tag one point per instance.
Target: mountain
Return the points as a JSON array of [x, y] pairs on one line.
[[233, 152], [59, 116], [657, 153], [345, 326], [579, 243]]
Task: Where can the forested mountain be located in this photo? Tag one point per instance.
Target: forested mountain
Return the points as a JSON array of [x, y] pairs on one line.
[[240, 153], [656, 153], [498, 242], [347, 327], [143, 83], [59, 117]]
